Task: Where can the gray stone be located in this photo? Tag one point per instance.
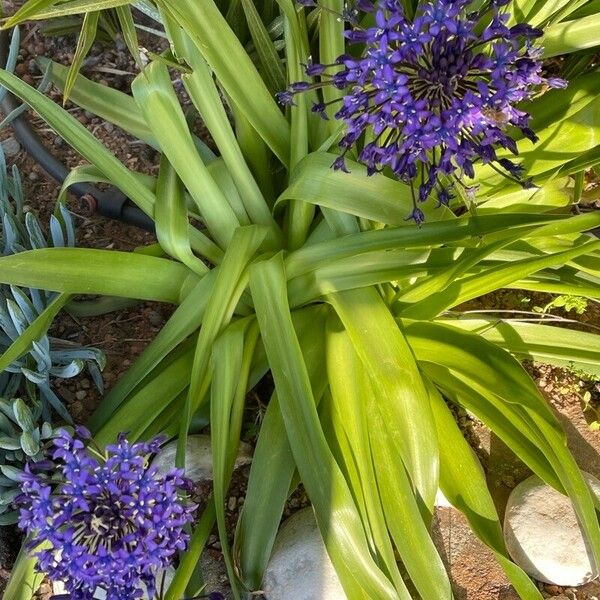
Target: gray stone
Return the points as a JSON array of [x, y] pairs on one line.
[[214, 574], [299, 567], [10, 147], [543, 535], [198, 457]]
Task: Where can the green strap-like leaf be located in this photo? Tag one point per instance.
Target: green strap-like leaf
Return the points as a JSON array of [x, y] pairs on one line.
[[230, 283], [376, 198], [87, 35], [184, 321], [231, 361], [466, 229], [463, 482], [494, 375], [332, 44], [91, 271], [24, 578], [156, 98], [273, 464], [172, 225], [351, 394], [110, 104], [160, 389], [205, 96], [188, 564], [404, 403], [336, 513], [270, 61], [409, 532], [489, 280], [570, 36], [536, 341], [53, 9], [129, 33], [210, 32], [299, 214]]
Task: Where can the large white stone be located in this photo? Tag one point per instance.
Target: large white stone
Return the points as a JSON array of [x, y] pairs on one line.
[[198, 457], [543, 535], [300, 568]]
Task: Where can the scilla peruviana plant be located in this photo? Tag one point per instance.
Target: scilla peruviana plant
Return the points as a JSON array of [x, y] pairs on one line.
[[314, 275], [104, 520]]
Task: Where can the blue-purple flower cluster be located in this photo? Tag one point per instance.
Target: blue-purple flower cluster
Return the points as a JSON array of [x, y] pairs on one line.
[[434, 93], [109, 522]]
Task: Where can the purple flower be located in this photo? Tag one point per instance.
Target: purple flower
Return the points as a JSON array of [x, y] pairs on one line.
[[110, 522], [436, 93]]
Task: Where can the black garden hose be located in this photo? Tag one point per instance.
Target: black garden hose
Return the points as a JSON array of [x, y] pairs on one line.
[[110, 203]]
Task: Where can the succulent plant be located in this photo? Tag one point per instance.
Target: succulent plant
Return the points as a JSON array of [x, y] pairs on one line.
[[21, 440], [48, 357]]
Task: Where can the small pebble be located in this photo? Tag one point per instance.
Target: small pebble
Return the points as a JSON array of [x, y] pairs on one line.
[[155, 318], [231, 503], [76, 408], [553, 589], [67, 395], [80, 395], [11, 147]]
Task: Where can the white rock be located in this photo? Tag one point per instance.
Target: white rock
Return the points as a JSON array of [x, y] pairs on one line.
[[198, 457], [543, 535], [441, 501], [299, 567]]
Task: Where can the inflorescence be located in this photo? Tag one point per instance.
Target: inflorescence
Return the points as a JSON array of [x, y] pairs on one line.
[[107, 521], [434, 93]]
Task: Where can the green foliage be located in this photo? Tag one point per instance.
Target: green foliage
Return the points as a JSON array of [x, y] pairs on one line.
[[27, 366], [591, 411], [576, 304], [22, 436], [315, 276]]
